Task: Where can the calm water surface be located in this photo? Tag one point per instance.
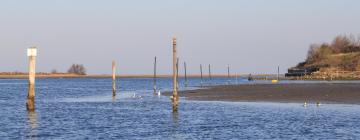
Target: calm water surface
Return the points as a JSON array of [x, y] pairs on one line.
[[85, 109]]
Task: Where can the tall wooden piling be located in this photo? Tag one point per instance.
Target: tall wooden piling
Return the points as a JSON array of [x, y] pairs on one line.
[[177, 73], [210, 72], [201, 74], [228, 73], [30, 104], [186, 80], [114, 78], [155, 88], [278, 73], [175, 97]]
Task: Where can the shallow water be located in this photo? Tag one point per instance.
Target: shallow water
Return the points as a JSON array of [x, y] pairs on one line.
[[85, 109]]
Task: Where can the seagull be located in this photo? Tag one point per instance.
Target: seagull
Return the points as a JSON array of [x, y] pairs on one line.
[[318, 104], [159, 93]]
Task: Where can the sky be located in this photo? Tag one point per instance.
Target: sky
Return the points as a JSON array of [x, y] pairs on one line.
[[252, 36]]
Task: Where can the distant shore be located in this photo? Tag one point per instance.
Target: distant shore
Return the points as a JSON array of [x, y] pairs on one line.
[[25, 76], [339, 93]]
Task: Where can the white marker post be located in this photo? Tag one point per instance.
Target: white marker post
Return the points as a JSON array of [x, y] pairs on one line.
[[31, 53]]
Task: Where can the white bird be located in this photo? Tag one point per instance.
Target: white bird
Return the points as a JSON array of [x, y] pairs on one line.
[[134, 96], [159, 93], [305, 104]]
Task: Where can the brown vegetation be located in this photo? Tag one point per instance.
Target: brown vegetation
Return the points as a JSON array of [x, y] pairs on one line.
[[77, 69], [343, 54]]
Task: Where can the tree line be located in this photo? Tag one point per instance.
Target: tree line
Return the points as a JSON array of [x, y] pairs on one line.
[[78, 69]]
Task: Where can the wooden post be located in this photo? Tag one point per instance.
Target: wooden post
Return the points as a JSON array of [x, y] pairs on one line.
[[201, 74], [278, 73], [228, 70], [177, 73], [175, 97], [186, 80], [155, 76], [210, 72], [30, 104], [114, 78]]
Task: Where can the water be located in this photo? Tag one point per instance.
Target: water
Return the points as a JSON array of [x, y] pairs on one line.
[[85, 109]]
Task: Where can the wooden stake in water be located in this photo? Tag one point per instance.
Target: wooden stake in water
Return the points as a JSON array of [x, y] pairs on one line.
[[210, 72], [155, 76], [186, 80], [201, 74], [30, 104], [175, 97], [114, 78], [177, 73], [228, 72], [278, 73]]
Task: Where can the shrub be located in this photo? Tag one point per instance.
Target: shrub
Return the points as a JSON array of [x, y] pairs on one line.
[[77, 69]]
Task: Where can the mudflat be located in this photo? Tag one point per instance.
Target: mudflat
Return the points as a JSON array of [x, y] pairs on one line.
[[339, 93]]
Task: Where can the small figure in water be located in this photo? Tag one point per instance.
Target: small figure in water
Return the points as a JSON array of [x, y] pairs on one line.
[[250, 78], [305, 104], [159, 93], [318, 104]]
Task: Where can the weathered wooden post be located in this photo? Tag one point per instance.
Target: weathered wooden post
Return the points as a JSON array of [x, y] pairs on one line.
[[228, 72], [186, 80], [201, 74], [210, 72], [155, 88], [114, 78], [177, 73], [278, 73], [175, 97], [31, 53]]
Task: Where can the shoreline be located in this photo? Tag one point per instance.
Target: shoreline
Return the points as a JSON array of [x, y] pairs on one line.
[[324, 93], [25, 76]]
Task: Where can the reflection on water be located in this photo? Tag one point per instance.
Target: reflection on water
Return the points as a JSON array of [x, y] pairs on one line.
[[33, 124], [175, 117], [113, 99], [175, 129]]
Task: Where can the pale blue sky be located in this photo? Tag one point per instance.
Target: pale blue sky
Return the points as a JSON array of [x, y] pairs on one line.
[[253, 36]]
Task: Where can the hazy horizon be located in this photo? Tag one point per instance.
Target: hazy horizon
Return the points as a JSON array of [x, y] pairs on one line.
[[251, 36]]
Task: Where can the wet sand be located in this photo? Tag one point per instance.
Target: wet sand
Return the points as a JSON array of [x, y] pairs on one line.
[[339, 93]]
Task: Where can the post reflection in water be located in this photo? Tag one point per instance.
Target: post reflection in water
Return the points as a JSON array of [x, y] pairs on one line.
[[33, 124], [113, 99], [175, 117], [175, 126]]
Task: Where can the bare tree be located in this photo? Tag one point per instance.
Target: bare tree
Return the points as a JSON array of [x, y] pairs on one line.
[[312, 52], [54, 71], [77, 69], [340, 43]]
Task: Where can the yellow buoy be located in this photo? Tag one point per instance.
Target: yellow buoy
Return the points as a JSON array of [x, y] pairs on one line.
[[274, 81]]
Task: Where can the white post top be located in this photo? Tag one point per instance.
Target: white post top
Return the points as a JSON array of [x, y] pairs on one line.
[[32, 51]]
